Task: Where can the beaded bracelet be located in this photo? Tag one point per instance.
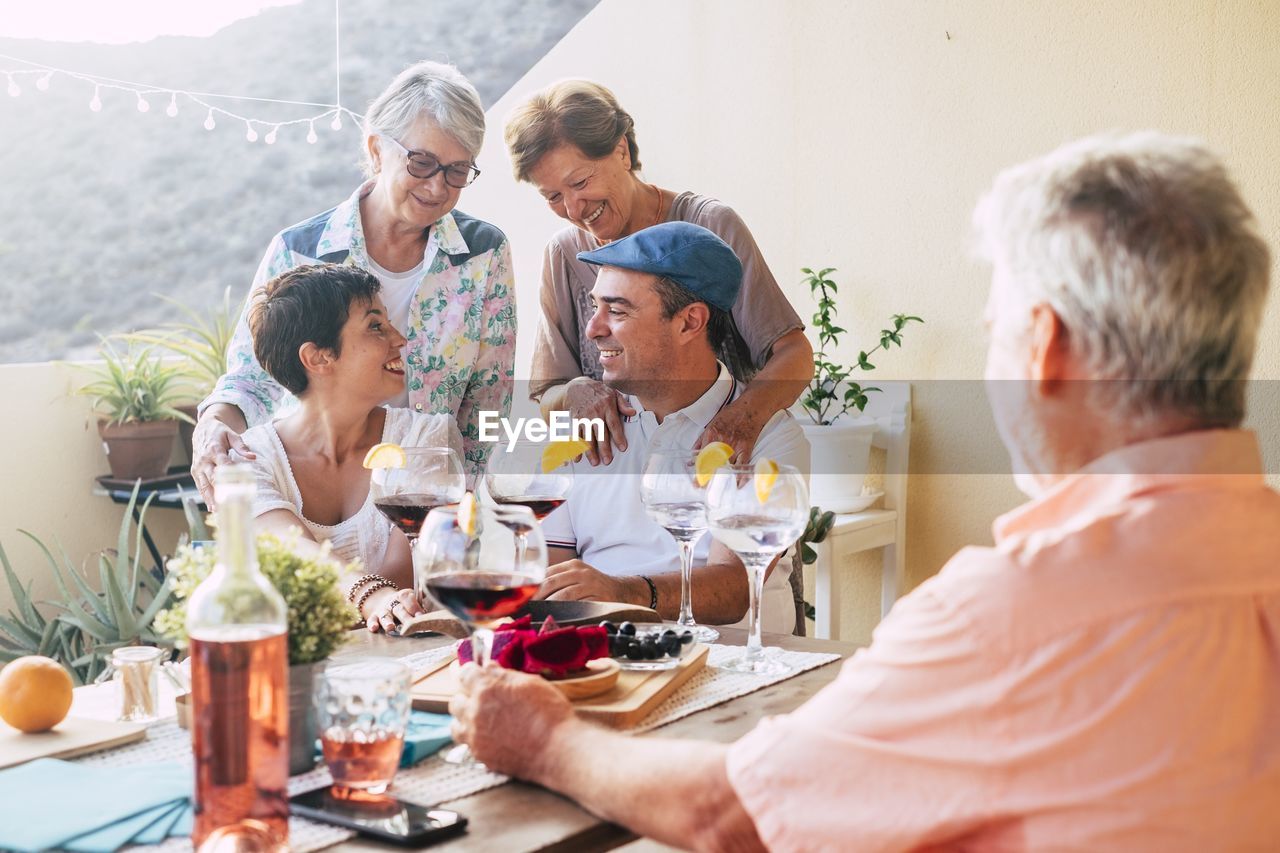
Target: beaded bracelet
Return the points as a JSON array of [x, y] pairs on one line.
[[380, 583], [364, 579], [653, 592]]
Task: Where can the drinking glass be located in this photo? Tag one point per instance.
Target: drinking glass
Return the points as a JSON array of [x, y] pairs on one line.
[[480, 577], [515, 477], [673, 499], [757, 525], [362, 707], [431, 477]]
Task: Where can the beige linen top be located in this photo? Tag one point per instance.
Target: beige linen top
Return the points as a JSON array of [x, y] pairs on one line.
[[561, 350]]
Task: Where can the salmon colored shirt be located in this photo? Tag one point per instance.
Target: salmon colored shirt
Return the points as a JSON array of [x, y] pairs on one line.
[[1106, 678]]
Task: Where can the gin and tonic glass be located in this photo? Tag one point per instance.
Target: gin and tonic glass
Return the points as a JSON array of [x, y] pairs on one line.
[[672, 498]]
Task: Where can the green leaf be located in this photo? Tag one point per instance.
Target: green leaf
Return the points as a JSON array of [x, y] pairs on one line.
[[808, 556], [89, 625], [21, 633]]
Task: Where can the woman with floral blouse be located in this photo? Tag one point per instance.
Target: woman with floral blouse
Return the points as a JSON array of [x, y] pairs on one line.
[[446, 277]]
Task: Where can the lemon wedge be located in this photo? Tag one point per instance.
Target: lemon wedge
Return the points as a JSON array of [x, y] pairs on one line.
[[385, 455], [560, 452], [766, 476], [467, 514], [709, 459]]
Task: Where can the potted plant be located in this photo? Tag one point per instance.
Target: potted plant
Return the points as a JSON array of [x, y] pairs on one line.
[[136, 394], [320, 619], [201, 340], [839, 443]]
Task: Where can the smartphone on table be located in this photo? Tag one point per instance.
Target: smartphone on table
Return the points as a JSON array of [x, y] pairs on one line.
[[379, 816]]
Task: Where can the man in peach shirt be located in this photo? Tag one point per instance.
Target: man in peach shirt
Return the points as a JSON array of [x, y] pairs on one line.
[[1107, 677]]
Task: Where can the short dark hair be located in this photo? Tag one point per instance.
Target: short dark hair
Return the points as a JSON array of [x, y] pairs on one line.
[[722, 332], [307, 304]]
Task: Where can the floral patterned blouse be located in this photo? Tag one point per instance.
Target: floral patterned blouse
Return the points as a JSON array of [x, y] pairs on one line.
[[462, 325]]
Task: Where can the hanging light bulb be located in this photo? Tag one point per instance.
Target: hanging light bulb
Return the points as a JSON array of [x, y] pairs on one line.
[[14, 91], [172, 109], [336, 124], [43, 83], [271, 135], [143, 106], [96, 103], [250, 134], [311, 132], [209, 123]]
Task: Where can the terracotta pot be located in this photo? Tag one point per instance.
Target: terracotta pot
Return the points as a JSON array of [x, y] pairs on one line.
[[138, 449]]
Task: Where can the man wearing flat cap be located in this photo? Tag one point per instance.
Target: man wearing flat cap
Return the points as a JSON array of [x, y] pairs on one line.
[[662, 324]]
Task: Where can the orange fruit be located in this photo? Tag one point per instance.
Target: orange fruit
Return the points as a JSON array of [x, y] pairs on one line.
[[35, 693]]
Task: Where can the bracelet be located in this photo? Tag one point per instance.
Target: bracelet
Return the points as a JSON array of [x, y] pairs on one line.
[[380, 583], [364, 579], [653, 592]]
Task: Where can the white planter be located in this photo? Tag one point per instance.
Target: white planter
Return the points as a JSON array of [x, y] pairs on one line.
[[838, 456]]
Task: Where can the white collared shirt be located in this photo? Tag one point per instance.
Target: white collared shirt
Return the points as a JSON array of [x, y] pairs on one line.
[[604, 518]]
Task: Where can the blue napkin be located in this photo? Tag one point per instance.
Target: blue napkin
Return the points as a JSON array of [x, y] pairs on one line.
[[48, 803]]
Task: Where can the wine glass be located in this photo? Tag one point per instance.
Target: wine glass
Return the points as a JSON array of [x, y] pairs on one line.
[[757, 520], [673, 499], [431, 477], [515, 476], [480, 577]]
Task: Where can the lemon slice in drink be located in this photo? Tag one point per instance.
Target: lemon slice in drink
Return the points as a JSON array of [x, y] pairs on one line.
[[467, 514], [766, 476], [709, 459], [560, 452], [385, 455]]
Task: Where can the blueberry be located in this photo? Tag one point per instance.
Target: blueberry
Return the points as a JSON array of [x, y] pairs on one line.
[[609, 627], [668, 633], [634, 652], [627, 629], [671, 645], [686, 637], [652, 652]]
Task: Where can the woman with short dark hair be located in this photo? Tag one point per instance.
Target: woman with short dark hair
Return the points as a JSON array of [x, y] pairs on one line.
[[322, 332]]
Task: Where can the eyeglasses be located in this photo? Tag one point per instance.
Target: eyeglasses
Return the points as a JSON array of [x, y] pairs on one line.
[[422, 166]]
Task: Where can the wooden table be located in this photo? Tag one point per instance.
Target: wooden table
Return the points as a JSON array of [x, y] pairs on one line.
[[519, 816]]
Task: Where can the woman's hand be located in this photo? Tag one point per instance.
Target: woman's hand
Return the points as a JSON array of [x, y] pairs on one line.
[[212, 442], [591, 398], [387, 610], [737, 425]]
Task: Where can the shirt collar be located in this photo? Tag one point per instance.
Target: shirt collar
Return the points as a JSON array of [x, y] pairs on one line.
[[706, 407], [344, 231], [1200, 460]]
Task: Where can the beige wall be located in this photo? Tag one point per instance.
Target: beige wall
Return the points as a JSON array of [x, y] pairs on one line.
[[848, 134]]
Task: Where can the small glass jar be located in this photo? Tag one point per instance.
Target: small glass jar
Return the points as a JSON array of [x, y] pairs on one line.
[[137, 679]]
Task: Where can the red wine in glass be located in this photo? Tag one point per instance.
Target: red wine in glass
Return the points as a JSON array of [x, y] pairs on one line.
[[540, 505], [407, 512], [479, 598]]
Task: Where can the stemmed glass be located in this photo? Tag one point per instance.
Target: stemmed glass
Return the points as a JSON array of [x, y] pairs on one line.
[[514, 477], [757, 520], [482, 576], [672, 497], [431, 477]]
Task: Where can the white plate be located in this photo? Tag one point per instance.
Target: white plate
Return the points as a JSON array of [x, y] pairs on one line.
[[862, 501]]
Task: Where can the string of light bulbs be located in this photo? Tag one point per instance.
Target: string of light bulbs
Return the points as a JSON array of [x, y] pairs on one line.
[[334, 112]]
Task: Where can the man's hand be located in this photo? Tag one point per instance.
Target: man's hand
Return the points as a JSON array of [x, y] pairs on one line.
[[509, 719], [591, 398], [738, 426], [574, 580], [211, 446]]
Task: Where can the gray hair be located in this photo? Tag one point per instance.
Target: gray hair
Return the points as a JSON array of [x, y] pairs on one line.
[[433, 89], [1144, 248]]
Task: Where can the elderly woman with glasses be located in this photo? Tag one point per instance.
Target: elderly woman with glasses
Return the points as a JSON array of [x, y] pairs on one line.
[[446, 277], [577, 146]]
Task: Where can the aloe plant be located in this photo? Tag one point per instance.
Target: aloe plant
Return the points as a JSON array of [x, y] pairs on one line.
[[135, 386], [83, 627], [202, 340]]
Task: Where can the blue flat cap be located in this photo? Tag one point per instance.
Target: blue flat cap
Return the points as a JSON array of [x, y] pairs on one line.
[[688, 254]]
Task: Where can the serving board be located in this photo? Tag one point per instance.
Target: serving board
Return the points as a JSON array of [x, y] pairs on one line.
[[627, 703], [71, 737]]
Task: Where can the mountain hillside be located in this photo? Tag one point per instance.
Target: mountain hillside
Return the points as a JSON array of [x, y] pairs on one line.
[[101, 210]]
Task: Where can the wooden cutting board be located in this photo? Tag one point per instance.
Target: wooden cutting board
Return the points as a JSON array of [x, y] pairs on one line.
[[564, 612], [625, 705], [71, 737]]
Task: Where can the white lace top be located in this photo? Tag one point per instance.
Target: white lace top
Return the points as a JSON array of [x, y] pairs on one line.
[[367, 534]]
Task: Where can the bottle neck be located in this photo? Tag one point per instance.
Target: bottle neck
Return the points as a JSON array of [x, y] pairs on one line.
[[236, 545]]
